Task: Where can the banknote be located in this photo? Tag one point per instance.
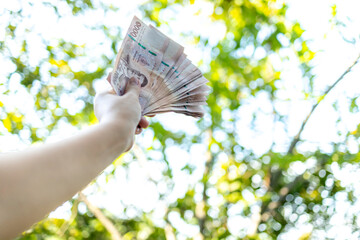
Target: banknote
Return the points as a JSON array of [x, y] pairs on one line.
[[169, 81]]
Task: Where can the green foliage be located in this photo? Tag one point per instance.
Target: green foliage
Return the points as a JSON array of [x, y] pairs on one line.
[[86, 226]]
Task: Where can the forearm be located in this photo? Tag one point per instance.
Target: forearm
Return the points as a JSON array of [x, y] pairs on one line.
[[36, 181]]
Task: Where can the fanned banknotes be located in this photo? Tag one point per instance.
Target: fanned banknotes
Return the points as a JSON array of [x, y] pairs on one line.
[[169, 81]]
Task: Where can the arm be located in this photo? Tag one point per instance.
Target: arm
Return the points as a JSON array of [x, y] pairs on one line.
[[36, 181]]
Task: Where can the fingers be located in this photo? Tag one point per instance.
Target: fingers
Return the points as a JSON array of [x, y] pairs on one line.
[[133, 87], [138, 130], [143, 123]]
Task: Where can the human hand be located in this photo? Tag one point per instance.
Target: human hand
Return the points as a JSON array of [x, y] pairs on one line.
[[124, 110]]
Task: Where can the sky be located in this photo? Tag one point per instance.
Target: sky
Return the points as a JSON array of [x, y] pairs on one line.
[[334, 56]]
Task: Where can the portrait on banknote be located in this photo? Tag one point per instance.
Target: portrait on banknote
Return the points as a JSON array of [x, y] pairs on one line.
[[123, 74]]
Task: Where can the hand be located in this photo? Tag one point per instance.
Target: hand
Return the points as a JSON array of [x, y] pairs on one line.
[[124, 110]]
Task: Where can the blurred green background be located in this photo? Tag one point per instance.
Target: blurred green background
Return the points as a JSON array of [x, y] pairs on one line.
[[275, 157]]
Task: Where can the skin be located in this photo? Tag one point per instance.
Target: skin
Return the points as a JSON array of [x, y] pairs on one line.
[[36, 181]]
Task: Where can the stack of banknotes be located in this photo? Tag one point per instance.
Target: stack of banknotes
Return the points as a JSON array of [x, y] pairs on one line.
[[169, 81]]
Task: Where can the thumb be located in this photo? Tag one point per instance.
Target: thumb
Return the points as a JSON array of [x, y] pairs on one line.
[[133, 87]]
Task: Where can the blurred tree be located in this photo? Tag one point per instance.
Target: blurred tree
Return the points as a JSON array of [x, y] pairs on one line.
[[241, 194]]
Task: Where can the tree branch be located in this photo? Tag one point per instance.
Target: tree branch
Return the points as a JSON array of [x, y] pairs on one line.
[[200, 209], [66, 225], [269, 208], [115, 235], [297, 137]]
